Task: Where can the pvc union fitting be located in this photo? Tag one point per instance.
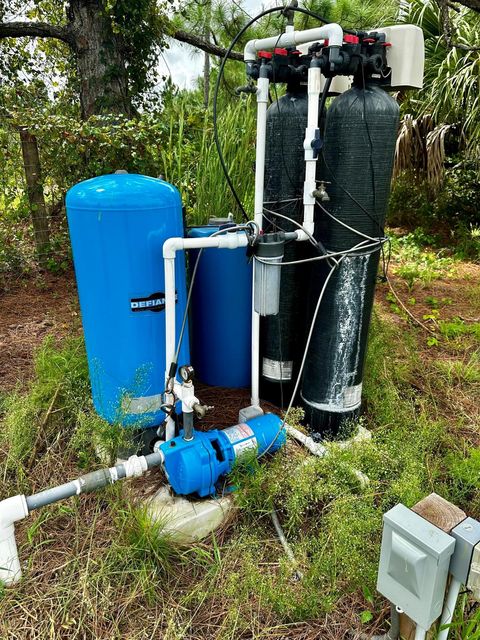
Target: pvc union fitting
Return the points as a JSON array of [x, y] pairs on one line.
[[135, 466]]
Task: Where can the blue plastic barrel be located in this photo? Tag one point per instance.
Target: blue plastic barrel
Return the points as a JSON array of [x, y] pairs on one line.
[[118, 224], [221, 314]]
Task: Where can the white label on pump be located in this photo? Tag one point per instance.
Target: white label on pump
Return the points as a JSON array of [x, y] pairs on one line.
[[352, 396], [244, 445], [277, 370], [242, 438]]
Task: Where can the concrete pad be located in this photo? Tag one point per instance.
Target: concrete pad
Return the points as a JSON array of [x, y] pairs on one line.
[[188, 520]]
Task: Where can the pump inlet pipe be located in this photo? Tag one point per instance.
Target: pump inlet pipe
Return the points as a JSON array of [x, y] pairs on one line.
[[19, 507]]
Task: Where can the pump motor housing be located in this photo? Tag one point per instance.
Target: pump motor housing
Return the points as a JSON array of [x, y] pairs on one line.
[[195, 466]]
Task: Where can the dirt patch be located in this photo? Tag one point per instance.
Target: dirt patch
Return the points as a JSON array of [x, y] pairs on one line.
[[448, 368], [31, 309]]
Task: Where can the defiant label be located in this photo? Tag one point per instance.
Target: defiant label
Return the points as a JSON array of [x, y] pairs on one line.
[[154, 302], [242, 438]]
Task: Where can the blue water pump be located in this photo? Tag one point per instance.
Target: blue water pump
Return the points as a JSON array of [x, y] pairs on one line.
[[195, 466]]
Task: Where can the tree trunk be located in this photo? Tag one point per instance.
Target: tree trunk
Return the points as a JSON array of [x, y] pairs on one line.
[[206, 64], [100, 61], [206, 81], [101, 67], [31, 162]]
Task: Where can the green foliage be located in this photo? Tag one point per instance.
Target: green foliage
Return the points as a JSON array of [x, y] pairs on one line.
[[142, 545], [452, 74], [356, 14], [455, 328], [464, 477], [141, 26], [410, 203], [418, 258], [453, 209], [465, 625], [61, 383], [177, 144], [56, 412], [331, 518]]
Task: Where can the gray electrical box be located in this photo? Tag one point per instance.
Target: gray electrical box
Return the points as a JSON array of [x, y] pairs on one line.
[[467, 536], [414, 563]]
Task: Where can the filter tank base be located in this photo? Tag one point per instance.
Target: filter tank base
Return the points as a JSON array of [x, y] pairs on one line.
[[326, 425], [188, 521]]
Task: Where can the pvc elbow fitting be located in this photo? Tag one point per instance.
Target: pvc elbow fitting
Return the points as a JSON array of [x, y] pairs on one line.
[[171, 246], [11, 510]]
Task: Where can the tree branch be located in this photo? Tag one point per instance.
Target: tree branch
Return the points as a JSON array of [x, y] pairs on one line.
[[35, 30], [474, 5], [208, 47]]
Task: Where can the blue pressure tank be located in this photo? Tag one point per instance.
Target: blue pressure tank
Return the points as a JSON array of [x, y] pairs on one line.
[[195, 466], [118, 224], [221, 314]]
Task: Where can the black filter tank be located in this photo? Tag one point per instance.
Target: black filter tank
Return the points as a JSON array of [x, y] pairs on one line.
[[357, 159], [281, 336]]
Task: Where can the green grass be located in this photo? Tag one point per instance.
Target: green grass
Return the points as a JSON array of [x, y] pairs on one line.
[[419, 259], [466, 371], [96, 567]]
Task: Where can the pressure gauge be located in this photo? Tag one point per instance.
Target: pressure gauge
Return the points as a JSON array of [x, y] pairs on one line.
[[186, 373]]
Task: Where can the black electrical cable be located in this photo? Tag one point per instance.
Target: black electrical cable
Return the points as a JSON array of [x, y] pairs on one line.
[[219, 79]]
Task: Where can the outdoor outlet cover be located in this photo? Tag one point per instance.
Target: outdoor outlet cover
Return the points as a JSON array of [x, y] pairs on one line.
[[414, 562]]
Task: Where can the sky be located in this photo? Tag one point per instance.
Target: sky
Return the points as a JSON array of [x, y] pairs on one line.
[[185, 63]]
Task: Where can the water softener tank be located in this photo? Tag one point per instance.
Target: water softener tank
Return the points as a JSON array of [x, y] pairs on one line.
[[221, 317], [357, 159], [281, 334], [118, 224]]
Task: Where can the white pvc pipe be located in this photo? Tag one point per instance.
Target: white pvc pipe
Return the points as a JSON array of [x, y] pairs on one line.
[[333, 32], [314, 89], [449, 608], [420, 634], [262, 102], [19, 507], [314, 447], [11, 510], [170, 248]]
